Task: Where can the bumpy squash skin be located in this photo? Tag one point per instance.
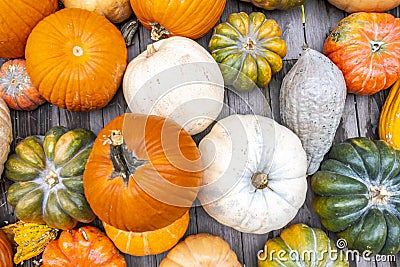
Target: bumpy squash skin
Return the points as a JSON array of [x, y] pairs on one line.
[[312, 99], [48, 174], [302, 239], [276, 4], [357, 197], [249, 49], [389, 121]]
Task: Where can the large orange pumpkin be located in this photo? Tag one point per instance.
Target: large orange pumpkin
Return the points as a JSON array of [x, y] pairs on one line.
[[187, 18], [366, 48], [76, 59], [143, 173], [148, 243], [86, 246], [18, 17]]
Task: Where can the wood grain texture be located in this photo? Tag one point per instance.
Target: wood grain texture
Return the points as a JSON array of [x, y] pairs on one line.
[[360, 118]]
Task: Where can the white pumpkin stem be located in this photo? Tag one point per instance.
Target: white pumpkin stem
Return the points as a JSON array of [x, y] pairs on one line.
[[151, 50], [259, 180], [379, 195], [158, 32]]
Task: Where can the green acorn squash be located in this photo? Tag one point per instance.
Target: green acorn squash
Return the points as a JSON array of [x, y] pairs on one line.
[[48, 174], [249, 49], [358, 197], [302, 246]]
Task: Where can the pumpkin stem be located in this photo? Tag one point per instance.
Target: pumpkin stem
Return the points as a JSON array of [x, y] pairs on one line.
[[122, 167], [151, 50], [77, 51], [158, 32], [376, 46], [259, 180], [379, 195], [51, 179], [250, 44], [128, 30]]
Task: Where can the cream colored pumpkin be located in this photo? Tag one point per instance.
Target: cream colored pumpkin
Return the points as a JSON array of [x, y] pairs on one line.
[[365, 5], [201, 250], [5, 133], [116, 11], [255, 176], [175, 78]]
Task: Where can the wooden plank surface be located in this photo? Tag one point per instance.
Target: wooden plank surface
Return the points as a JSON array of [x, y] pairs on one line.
[[360, 118]]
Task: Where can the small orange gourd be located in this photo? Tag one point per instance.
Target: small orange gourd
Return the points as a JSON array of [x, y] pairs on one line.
[[76, 59], [389, 121], [16, 87], [148, 243], [86, 246], [6, 252]]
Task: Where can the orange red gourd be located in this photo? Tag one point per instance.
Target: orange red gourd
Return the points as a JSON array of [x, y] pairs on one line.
[[143, 173], [6, 252], [148, 243], [16, 87], [17, 21], [76, 59], [188, 18], [366, 48], [86, 246], [365, 5]]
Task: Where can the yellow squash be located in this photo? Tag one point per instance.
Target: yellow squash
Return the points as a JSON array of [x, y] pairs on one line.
[[389, 122]]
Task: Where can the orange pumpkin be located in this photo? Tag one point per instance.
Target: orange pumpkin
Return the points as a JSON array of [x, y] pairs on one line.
[[16, 87], [148, 243], [201, 250], [86, 246], [76, 59], [187, 18], [17, 21], [366, 48], [143, 173], [6, 252]]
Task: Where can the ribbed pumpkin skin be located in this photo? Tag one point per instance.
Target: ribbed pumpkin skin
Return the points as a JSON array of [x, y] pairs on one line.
[[365, 5], [16, 87], [6, 252], [86, 246], [187, 18], [302, 239], [249, 49], [389, 121], [5, 133], [201, 250], [147, 182], [357, 190], [148, 243], [276, 4], [18, 20], [76, 59], [312, 99], [48, 174], [366, 49]]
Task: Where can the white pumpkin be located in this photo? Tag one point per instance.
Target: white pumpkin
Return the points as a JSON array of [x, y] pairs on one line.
[[178, 79], [255, 176], [5, 133], [116, 11]]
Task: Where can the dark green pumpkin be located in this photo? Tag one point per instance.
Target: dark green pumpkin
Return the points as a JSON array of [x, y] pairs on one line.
[[249, 49], [48, 174], [302, 246], [358, 195]]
